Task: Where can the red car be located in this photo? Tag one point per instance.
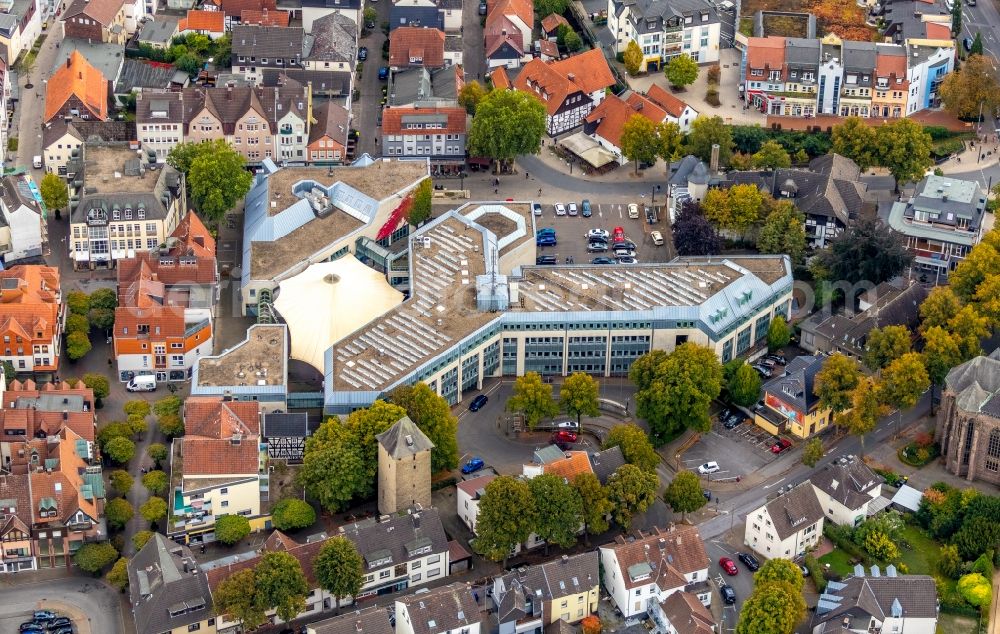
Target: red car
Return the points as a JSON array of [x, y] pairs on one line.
[[618, 235], [729, 566], [781, 445], [564, 436]]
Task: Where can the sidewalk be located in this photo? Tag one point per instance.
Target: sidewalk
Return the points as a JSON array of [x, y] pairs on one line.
[[973, 157]]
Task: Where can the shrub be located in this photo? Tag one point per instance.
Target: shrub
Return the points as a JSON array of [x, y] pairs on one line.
[[937, 132], [923, 439], [841, 536], [712, 97], [77, 323], [815, 571], [713, 74]]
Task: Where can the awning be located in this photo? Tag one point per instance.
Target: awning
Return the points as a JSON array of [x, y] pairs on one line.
[[587, 149], [329, 301]]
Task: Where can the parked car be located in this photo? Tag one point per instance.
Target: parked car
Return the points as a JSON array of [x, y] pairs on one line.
[[657, 237], [633, 210], [805, 570], [536, 209], [362, 53], [767, 363], [478, 403], [545, 231], [749, 561], [564, 435], [967, 43], [728, 594], [383, 73], [707, 494], [651, 216], [625, 244], [62, 630], [473, 465], [602, 260], [572, 209], [585, 208], [781, 445], [560, 209], [777, 358], [618, 235], [31, 627], [597, 246], [546, 240], [764, 372], [545, 260], [729, 566], [62, 621], [627, 260], [482, 8], [708, 467], [44, 615], [732, 422], [623, 252], [598, 233]]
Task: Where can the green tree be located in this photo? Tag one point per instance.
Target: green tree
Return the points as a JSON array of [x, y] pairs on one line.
[[977, 45], [939, 308], [118, 512], [778, 334], [594, 502], [118, 575], [332, 470], [904, 380], [120, 450], [558, 510], [99, 384], [633, 58], [941, 353], [865, 409], [783, 570], [772, 608], [433, 416], [684, 494], [949, 562], [885, 345], [282, 584], [78, 302], [95, 556], [121, 481], [572, 41], [532, 398], [578, 396], [738, 211], [783, 232], [470, 95], [157, 452], [230, 529], [105, 298], [9, 373], [77, 345], [744, 387], [114, 429], [866, 252], [981, 263], [292, 514], [771, 156], [634, 444], [630, 492], [976, 590], [670, 140], [154, 509], [904, 149], [216, 175], [681, 71], [835, 383], [812, 453], [370, 15], [156, 482], [172, 425], [970, 328], [507, 124], [880, 547], [423, 197], [693, 234], [972, 86], [137, 407], [976, 536], [676, 389], [707, 131], [855, 139], [101, 318], [956, 19], [141, 538], [238, 597], [339, 569], [639, 140], [167, 405], [506, 517], [55, 195], [138, 426], [547, 7]]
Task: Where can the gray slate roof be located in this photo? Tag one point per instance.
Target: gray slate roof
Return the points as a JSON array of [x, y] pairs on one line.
[[397, 536], [268, 41], [606, 462], [446, 608], [334, 39], [324, 82], [795, 386], [907, 596], [372, 620], [421, 85], [137, 75], [795, 510], [286, 424], [544, 582], [404, 439], [159, 585], [850, 484], [975, 384]]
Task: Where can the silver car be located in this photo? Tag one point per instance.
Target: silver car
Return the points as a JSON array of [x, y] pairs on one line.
[[572, 209], [560, 209]]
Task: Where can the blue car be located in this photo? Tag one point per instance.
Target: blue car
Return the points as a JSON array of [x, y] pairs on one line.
[[478, 403], [383, 73], [545, 241], [547, 231], [585, 208], [473, 465]]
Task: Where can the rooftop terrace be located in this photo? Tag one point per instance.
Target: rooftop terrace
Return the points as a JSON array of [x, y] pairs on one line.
[[258, 360], [116, 169], [381, 179]]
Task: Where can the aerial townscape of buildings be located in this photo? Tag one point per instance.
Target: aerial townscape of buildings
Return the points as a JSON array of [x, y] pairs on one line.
[[499, 317]]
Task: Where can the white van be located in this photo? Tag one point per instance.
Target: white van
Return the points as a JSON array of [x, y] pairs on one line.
[[37, 162], [141, 383]]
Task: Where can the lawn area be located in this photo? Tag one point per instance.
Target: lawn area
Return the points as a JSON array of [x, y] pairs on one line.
[[838, 561], [955, 624], [922, 555]]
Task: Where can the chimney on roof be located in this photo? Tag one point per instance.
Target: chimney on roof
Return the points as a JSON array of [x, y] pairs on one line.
[[67, 62], [713, 163], [571, 76]]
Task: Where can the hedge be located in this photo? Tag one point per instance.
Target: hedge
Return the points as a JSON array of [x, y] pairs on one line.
[[815, 571], [841, 537]]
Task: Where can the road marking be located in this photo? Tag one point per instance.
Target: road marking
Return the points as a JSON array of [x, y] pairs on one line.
[[773, 483]]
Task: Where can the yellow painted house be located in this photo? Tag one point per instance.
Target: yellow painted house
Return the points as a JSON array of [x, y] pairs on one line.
[[790, 405]]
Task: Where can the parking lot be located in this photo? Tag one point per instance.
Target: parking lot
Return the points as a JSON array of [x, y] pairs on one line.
[[92, 606], [738, 451], [571, 232]]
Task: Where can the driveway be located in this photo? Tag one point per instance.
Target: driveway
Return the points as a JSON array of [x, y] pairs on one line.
[[94, 607]]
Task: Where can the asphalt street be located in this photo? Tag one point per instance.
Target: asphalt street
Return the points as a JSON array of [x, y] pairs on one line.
[[93, 606]]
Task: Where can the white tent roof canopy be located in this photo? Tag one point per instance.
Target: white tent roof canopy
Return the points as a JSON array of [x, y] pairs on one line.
[[330, 300]]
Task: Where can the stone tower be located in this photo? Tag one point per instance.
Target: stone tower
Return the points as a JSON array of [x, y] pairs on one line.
[[404, 467]]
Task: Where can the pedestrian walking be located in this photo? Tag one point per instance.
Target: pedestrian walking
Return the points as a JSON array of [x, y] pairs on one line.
[[539, 191], [496, 190], [526, 176]]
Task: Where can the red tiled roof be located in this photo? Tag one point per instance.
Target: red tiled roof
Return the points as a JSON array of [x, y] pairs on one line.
[[671, 104], [500, 79], [892, 67], [304, 553], [673, 553], [217, 457], [613, 113], [31, 304], [32, 420], [103, 11], [552, 22], [193, 237], [765, 53], [416, 46], [77, 78], [236, 7], [470, 486], [265, 17], [169, 320], [572, 465], [392, 119], [936, 31], [522, 9], [211, 21], [589, 70], [553, 82], [212, 417], [548, 48], [502, 31]]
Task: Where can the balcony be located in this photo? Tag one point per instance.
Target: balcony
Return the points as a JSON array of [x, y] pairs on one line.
[[286, 129]]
